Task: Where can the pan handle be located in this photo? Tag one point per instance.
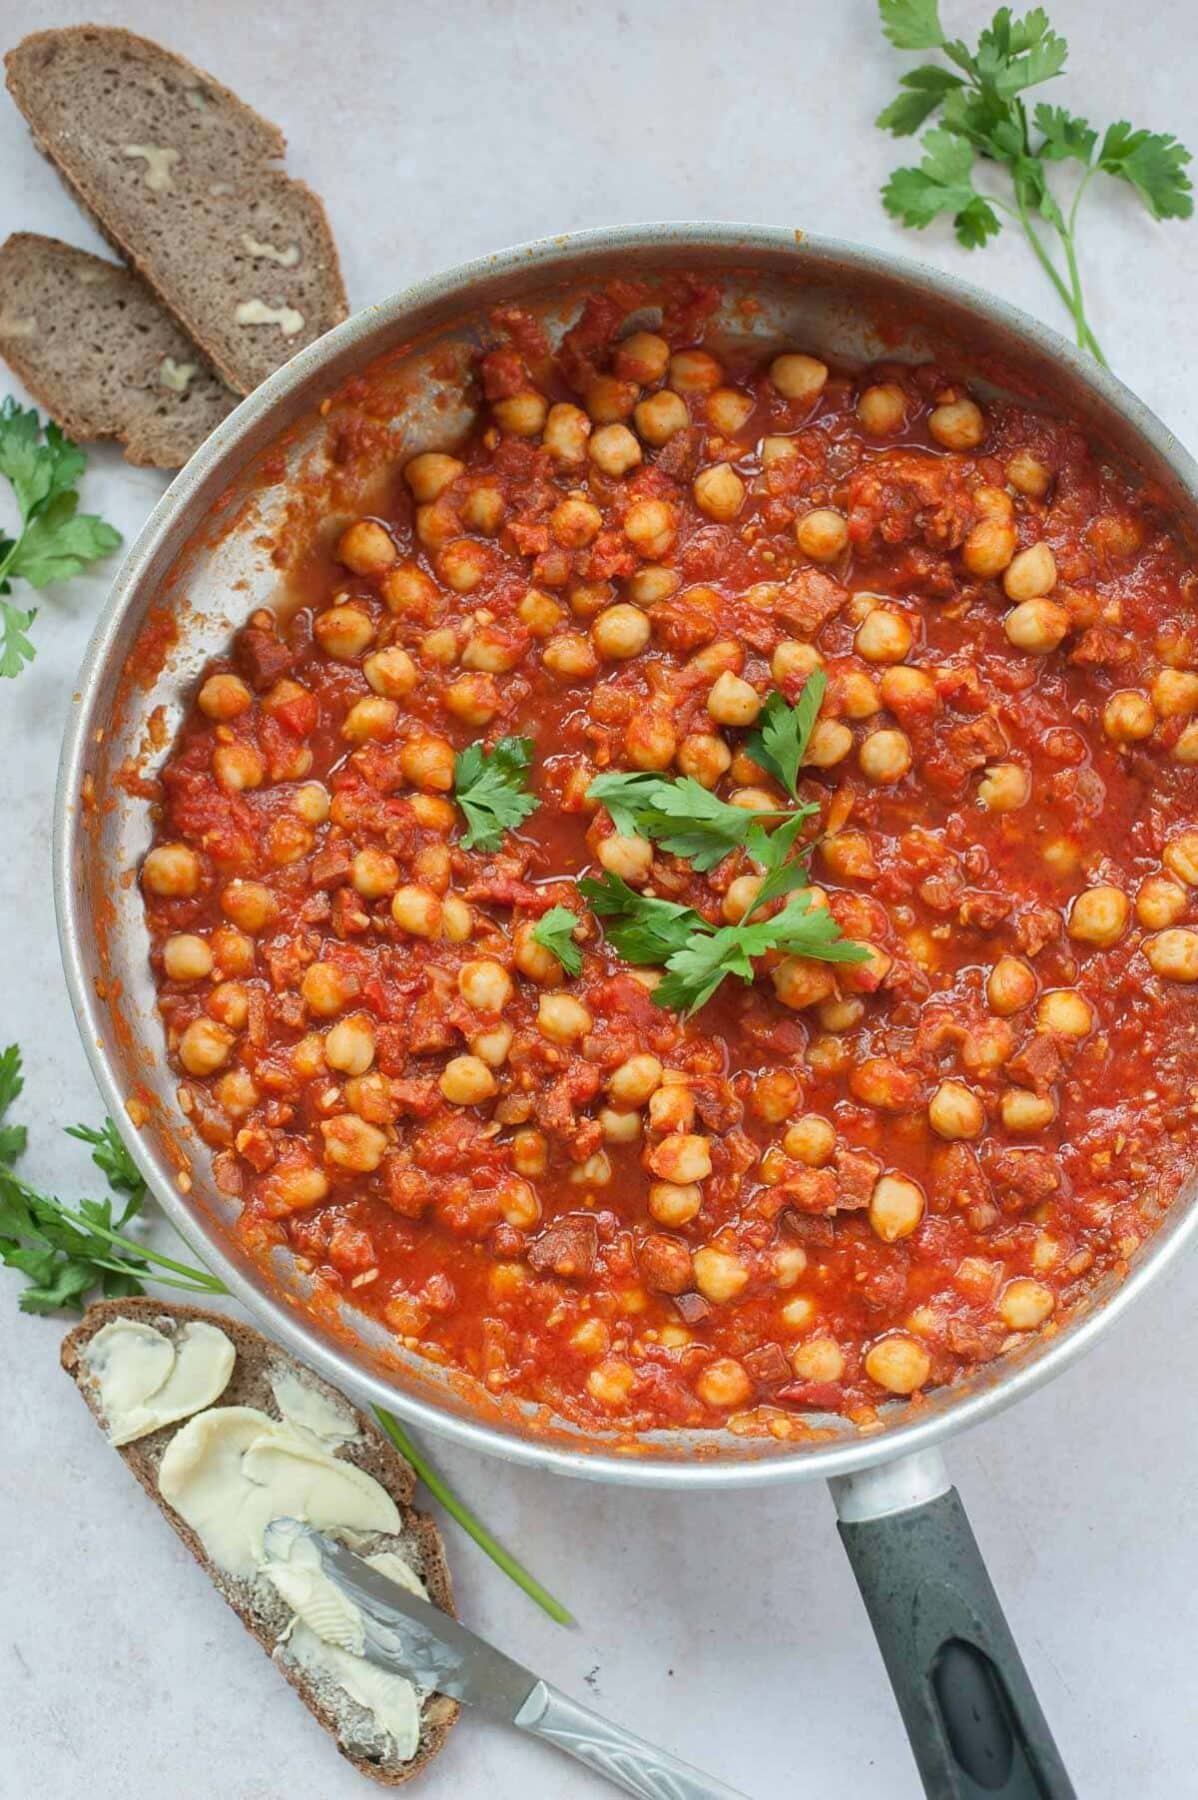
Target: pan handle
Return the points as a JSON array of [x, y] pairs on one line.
[[975, 1725]]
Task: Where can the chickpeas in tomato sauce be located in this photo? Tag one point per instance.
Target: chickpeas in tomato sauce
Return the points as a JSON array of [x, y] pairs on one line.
[[832, 1185]]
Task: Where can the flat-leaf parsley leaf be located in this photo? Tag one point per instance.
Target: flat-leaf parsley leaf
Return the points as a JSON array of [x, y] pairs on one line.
[[554, 931], [489, 786]]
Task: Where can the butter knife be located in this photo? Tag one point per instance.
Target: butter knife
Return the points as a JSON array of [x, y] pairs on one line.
[[406, 1634]]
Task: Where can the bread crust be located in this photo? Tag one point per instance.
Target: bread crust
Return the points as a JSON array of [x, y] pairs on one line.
[[263, 1614], [68, 152]]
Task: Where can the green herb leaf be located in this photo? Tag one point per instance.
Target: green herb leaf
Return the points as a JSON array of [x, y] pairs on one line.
[[110, 1157], [554, 931], [489, 786], [940, 184], [912, 24], [1154, 163], [682, 815], [641, 928], [59, 541], [1064, 135], [926, 89], [779, 742], [1015, 54], [16, 649]]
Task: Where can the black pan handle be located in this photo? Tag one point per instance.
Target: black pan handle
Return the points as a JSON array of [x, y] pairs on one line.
[[975, 1725]]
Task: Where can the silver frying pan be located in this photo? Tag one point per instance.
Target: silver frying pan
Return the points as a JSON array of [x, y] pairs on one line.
[[201, 566]]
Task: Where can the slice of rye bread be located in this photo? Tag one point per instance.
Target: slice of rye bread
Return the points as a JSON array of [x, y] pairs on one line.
[[100, 352], [255, 1602], [181, 177]]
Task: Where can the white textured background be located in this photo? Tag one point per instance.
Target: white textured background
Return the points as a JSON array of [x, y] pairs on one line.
[[728, 1628]]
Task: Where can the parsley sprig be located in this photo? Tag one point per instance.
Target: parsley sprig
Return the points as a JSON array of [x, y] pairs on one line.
[[554, 931], [69, 1256], [983, 115], [54, 540], [489, 786]]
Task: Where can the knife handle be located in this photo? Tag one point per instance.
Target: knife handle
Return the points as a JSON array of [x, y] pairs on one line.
[[626, 1761]]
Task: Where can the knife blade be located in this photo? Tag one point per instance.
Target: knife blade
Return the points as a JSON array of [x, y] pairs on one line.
[[408, 1635]]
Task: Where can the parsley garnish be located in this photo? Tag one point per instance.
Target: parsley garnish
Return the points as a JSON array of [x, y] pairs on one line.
[[55, 540], [554, 931], [682, 815], [699, 956], [489, 787], [982, 114], [779, 742]]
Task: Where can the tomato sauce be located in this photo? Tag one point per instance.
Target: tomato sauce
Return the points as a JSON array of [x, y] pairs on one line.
[[910, 1165]]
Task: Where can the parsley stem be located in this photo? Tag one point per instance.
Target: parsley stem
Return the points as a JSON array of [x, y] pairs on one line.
[[473, 1527]]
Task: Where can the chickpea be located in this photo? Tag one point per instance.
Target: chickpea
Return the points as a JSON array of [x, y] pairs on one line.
[[704, 757], [610, 399], [994, 503], [1004, 787], [238, 767], [236, 1093], [171, 871], [798, 377], [829, 744], [1065, 1012], [733, 701], [958, 425], [909, 693], [628, 857], [533, 960], [522, 414], [636, 1080], [896, 1207], [694, 372], [367, 548], [810, 1140], [372, 719], [793, 660], [885, 756], [652, 526], [672, 1107], [882, 409], [539, 614], [407, 589], [1031, 574], [530, 1152], [1024, 1304], [741, 895], [989, 547], [801, 981], [614, 450], [650, 740], [883, 636], [467, 1081], [352, 1144], [417, 910], [642, 357], [823, 535], [224, 697], [1010, 985], [620, 632], [1175, 693], [485, 985], [428, 763], [1174, 954], [1128, 717], [570, 657], [349, 1045], [775, 450], [457, 920], [311, 803], [619, 1127], [1160, 902], [494, 1045], [675, 1204], [249, 904], [429, 474], [1185, 750], [567, 429], [1180, 857], [719, 492], [819, 1359], [898, 1363], [728, 410], [681, 1158], [1023, 1111], [1099, 916], [562, 1019], [611, 1381], [483, 510], [391, 673], [723, 1383], [475, 699], [204, 1047], [719, 1275], [594, 1172], [1037, 626], [575, 523], [328, 989], [955, 1111], [660, 417], [653, 583], [343, 632], [1028, 475], [297, 1186], [230, 1004]]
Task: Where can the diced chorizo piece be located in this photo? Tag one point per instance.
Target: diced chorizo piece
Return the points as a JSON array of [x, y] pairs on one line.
[[1023, 1178], [692, 1308], [973, 1343], [408, 1190], [554, 1109], [526, 537], [808, 600], [686, 625], [809, 1190], [715, 1102], [349, 917], [262, 657], [984, 908], [664, 1263], [977, 741], [417, 1099], [1037, 1065], [331, 865], [679, 459], [813, 1396], [430, 1029], [567, 1248], [1102, 647], [502, 373], [351, 1249], [767, 1365], [1035, 927], [959, 1178], [879, 1280], [857, 1172]]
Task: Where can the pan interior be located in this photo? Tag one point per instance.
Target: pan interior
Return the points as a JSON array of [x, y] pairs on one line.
[[217, 548]]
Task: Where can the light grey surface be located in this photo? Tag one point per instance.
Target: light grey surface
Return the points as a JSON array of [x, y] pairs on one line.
[[726, 1627]]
